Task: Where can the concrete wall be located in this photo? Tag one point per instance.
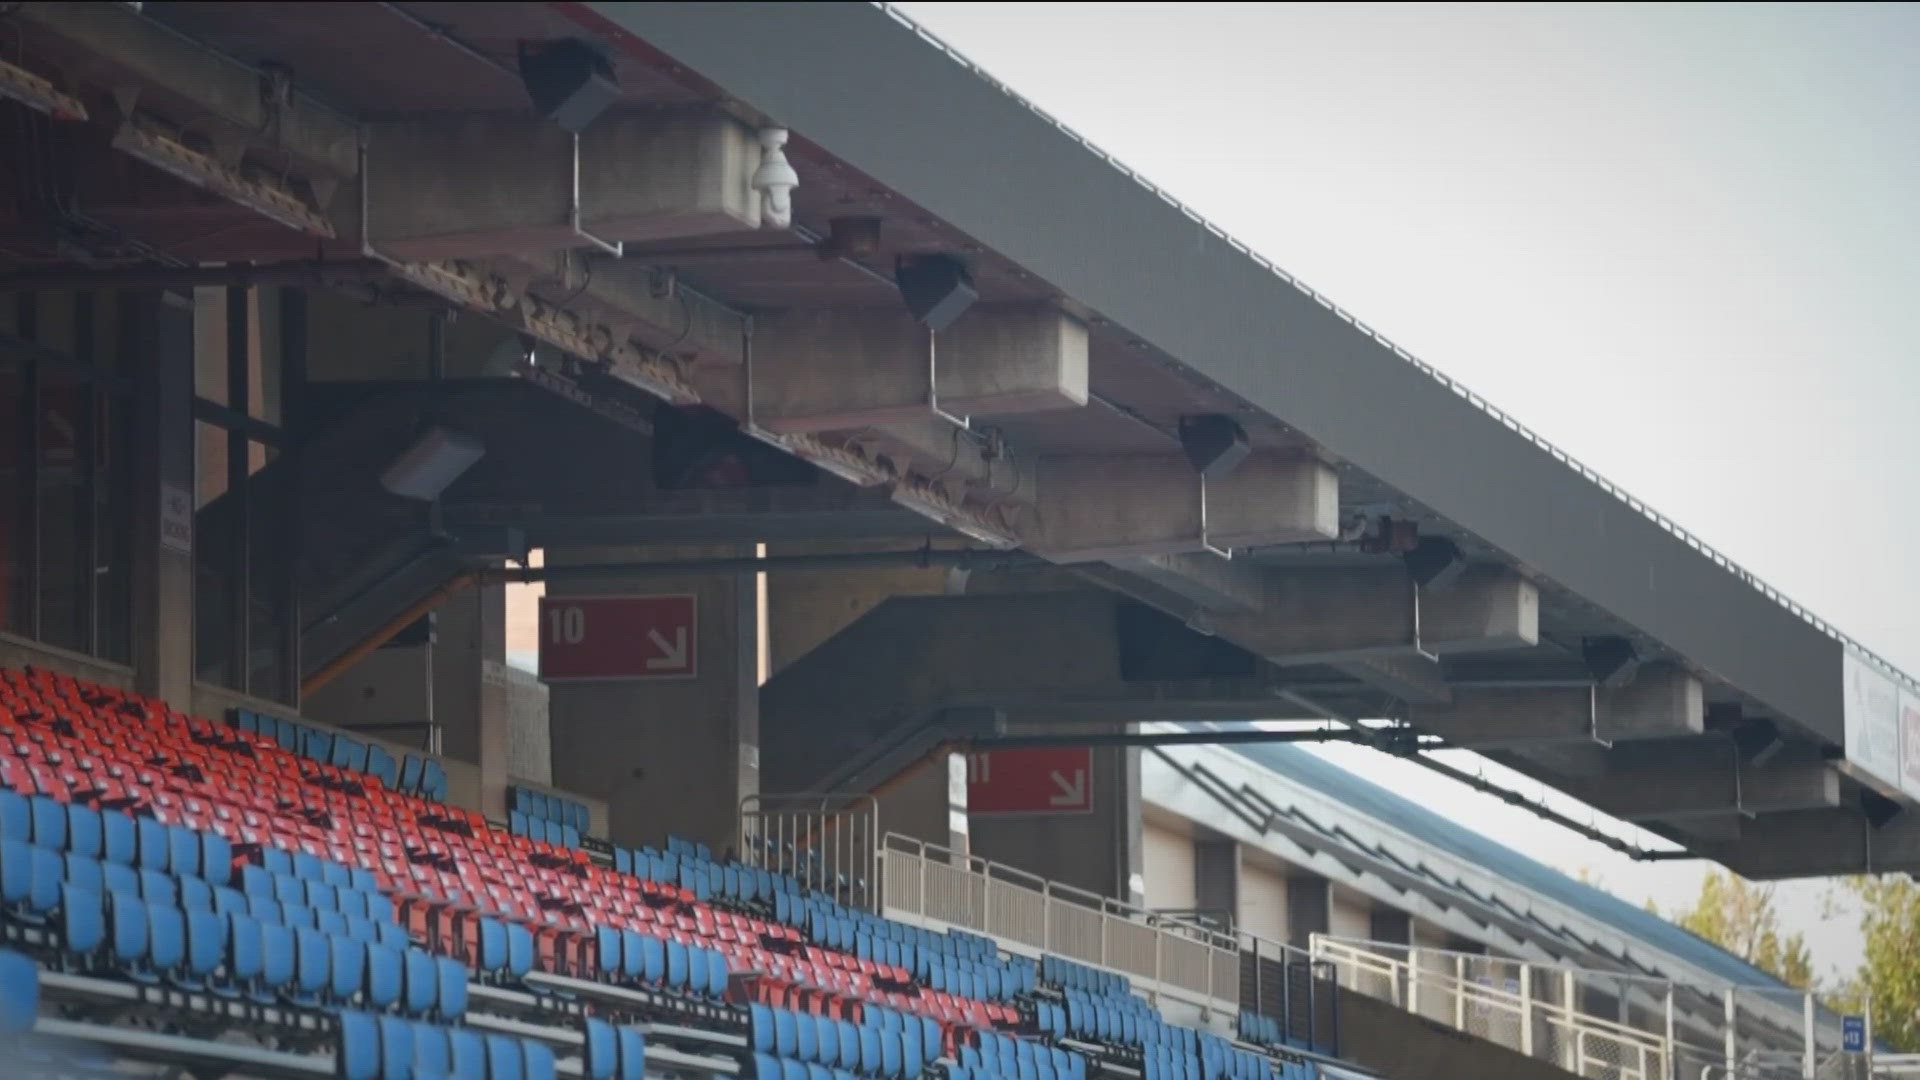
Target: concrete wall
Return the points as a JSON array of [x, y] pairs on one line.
[[669, 756], [1166, 855], [17, 652], [1396, 1044], [1350, 914], [1263, 898]]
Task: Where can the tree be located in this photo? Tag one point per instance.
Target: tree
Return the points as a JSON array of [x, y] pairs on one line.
[[1889, 979], [1738, 916]]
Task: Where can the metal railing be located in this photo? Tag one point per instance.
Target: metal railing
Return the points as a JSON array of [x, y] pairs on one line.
[[923, 882], [1524, 1007], [829, 844]]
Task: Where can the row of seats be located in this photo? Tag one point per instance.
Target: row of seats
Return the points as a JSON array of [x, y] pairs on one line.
[[541, 806], [415, 775], [547, 832], [632, 957], [1068, 975], [1021, 1059], [1122, 1020], [392, 1048], [867, 1049]]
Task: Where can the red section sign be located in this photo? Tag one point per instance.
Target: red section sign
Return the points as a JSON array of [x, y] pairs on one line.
[[1041, 781], [618, 637]]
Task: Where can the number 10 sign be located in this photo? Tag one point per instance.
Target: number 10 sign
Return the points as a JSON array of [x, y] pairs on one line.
[[618, 637]]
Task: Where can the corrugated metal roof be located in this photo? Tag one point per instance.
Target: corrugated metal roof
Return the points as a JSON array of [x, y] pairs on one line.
[[1426, 827]]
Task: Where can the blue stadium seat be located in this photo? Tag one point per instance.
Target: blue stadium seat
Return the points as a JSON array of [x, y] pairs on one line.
[[49, 823], [806, 1038], [396, 1048], [676, 965], [493, 945], [410, 774], [84, 872], [717, 973], [16, 816], [127, 932], [84, 831], [384, 974], [313, 955], [503, 1058], [849, 1039], [453, 988], [607, 947], [83, 920], [432, 1053], [519, 950], [421, 983], [826, 1037], [117, 838], [308, 867], [870, 1051], [766, 1067], [206, 947], [600, 1051], [19, 993], [380, 764], [158, 888], [357, 1050], [537, 1061], [469, 1054], [653, 957], [195, 894], [16, 872], [348, 967], [793, 1070], [166, 938], [276, 861], [277, 960], [151, 845], [633, 1054], [183, 846]]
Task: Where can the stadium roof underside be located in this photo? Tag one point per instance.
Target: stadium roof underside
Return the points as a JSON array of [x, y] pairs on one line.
[[1582, 640]]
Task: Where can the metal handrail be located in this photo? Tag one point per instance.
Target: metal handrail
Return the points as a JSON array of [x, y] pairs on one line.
[[926, 882], [1635, 1053]]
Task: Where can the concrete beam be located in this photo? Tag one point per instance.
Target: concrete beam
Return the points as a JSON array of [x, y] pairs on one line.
[[472, 186], [1807, 843], [825, 369], [1208, 580], [1483, 717], [996, 361], [1707, 779], [1104, 508], [1339, 614], [116, 48], [1489, 607], [1663, 701], [1414, 679]]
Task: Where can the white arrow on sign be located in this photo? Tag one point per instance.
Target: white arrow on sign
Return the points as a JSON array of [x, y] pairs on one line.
[[673, 654], [1068, 792]]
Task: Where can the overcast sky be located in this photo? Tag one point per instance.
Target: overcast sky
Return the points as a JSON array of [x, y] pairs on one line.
[[1682, 242]]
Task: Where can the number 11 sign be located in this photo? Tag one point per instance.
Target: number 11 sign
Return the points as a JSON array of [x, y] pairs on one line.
[[618, 637]]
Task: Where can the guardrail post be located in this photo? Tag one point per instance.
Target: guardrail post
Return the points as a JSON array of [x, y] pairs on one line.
[[1733, 1017], [1413, 980], [1526, 1009], [1673, 1059], [1459, 992], [1570, 1003], [1807, 1054]]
